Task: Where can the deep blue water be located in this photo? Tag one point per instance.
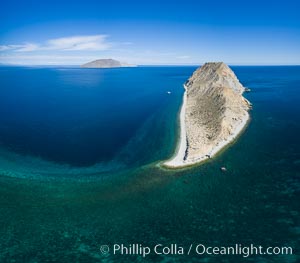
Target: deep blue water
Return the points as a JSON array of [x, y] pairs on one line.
[[79, 150], [80, 116]]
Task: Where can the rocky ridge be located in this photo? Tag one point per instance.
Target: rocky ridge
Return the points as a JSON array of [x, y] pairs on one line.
[[215, 109]]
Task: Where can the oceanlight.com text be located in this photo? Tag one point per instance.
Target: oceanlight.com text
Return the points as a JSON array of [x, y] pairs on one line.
[[194, 249]]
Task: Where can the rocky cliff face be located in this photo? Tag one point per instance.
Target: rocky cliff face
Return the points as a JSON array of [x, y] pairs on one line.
[[106, 63], [215, 109]]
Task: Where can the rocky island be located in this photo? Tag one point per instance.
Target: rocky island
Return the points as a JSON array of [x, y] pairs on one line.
[[106, 63], [212, 115]]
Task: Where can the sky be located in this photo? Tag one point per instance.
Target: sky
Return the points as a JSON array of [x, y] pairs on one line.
[[150, 32]]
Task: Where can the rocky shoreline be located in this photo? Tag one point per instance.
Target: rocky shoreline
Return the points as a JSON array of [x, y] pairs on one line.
[[212, 115]]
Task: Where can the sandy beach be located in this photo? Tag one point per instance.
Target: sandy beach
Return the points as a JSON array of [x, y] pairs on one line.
[[177, 159]]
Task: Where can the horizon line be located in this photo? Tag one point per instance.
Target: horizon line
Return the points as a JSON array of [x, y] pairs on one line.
[[142, 65]]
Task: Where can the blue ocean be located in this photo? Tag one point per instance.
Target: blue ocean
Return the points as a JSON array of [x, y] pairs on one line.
[[80, 154]]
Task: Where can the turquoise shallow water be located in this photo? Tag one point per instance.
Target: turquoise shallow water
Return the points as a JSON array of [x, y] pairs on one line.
[[58, 208]]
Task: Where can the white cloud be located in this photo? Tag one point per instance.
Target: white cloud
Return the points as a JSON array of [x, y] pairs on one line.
[[92, 42], [27, 47], [10, 47], [95, 42]]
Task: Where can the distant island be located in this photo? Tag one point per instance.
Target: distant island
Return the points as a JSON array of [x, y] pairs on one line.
[[213, 113], [106, 63]]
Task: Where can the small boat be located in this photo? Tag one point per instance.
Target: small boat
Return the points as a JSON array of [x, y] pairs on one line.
[[169, 92], [223, 169]]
